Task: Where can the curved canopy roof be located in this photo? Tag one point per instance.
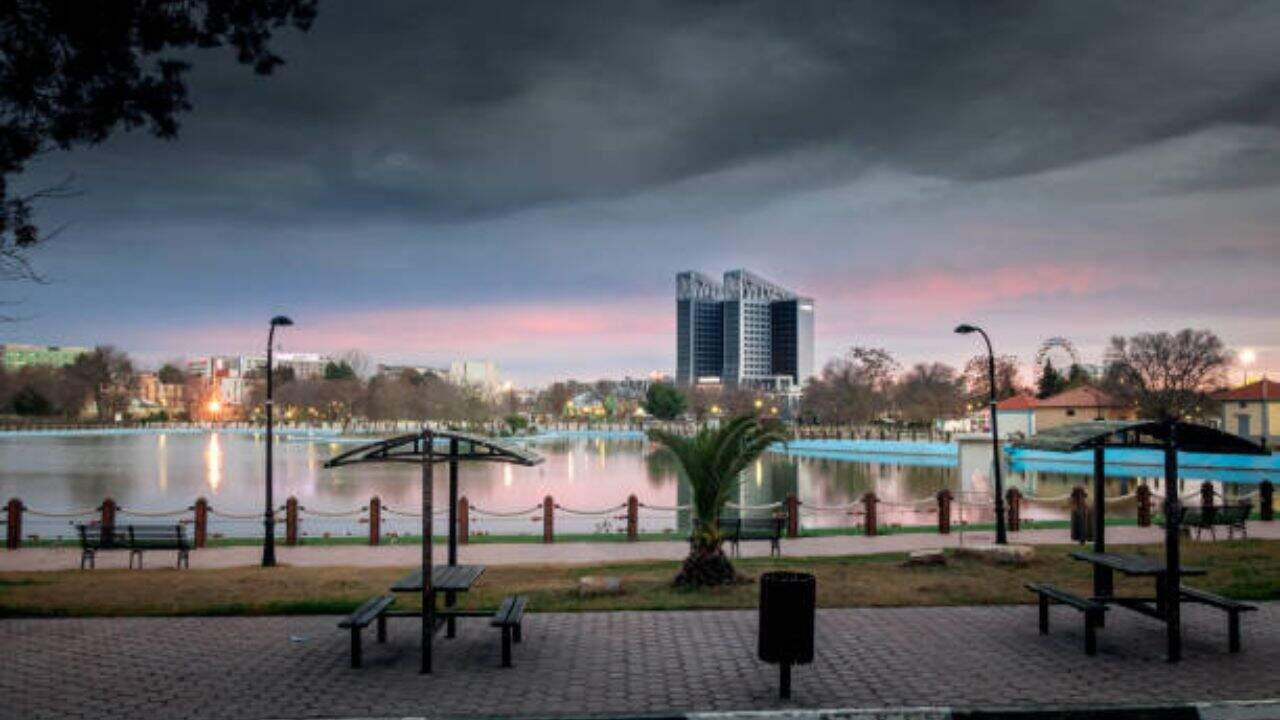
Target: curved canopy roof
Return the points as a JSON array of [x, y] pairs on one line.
[[410, 449], [1188, 437]]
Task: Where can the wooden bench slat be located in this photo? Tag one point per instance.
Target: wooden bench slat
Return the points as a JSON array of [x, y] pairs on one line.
[[1208, 598], [368, 612], [1064, 597]]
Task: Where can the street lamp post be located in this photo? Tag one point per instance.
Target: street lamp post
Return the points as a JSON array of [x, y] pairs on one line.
[[1001, 537], [269, 522]]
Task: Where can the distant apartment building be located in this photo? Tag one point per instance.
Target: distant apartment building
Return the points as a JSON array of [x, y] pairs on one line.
[[395, 371], [15, 356], [479, 374], [742, 332]]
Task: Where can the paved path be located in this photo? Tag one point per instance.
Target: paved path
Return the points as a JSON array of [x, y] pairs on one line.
[[37, 559], [634, 662]]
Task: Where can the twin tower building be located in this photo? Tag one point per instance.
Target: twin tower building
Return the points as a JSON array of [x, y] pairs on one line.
[[742, 332]]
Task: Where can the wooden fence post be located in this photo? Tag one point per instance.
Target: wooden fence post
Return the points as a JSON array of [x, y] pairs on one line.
[[375, 520], [13, 531], [201, 509], [1013, 497], [793, 515], [944, 512], [869, 519], [108, 522], [464, 520], [1144, 506], [291, 521], [1266, 493], [1206, 494], [548, 519], [633, 518]]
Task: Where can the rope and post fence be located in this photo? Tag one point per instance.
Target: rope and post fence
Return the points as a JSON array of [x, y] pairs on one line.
[[865, 513]]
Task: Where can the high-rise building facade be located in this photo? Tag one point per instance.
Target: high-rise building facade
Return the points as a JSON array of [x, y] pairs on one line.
[[742, 332]]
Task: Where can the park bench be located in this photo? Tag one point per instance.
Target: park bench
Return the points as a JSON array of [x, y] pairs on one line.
[[375, 608], [1232, 517], [734, 530], [134, 538], [1092, 611], [1231, 607]]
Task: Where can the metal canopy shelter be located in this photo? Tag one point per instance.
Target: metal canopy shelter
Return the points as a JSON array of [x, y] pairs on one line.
[[1170, 437], [422, 448]]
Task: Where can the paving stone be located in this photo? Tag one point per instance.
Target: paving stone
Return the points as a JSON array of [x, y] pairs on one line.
[[625, 662]]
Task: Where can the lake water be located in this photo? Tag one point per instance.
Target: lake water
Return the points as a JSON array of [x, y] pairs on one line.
[[158, 472]]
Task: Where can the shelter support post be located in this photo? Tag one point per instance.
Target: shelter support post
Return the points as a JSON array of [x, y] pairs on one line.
[[1172, 549], [428, 600], [1103, 580]]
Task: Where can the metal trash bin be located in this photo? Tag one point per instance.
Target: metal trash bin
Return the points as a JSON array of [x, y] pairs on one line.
[[787, 602], [1082, 524]]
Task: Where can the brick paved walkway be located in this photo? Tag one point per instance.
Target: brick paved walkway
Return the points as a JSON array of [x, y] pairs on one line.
[[296, 667]]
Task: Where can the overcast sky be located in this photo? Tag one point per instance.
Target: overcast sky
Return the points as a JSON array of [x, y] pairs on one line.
[[521, 181]]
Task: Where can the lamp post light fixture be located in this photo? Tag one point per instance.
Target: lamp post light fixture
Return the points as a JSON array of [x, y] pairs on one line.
[[269, 522], [966, 329]]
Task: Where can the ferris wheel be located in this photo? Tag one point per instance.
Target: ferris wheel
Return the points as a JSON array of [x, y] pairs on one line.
[[1054, 347]]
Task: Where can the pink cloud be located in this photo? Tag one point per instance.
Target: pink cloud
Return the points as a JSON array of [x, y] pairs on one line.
[[577, 335]]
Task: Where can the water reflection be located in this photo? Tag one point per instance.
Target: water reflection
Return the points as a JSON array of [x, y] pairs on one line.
[[213, 463], [171, 470]]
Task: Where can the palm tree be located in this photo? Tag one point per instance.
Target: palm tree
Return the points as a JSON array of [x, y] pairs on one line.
[[711, 462]]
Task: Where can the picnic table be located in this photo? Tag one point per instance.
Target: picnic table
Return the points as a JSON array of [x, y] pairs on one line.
[[447, 579], [1131, 565]]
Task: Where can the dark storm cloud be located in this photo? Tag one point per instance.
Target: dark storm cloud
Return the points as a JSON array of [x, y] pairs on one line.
[[469, 110]]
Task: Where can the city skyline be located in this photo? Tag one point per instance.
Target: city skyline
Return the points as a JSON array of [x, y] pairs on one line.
[[530, 203]]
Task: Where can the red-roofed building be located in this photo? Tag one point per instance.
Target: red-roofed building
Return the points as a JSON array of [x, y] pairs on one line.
[[1028, 415], [1252, 410]]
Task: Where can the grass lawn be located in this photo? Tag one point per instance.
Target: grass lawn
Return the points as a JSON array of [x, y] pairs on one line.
[[1241, 569]]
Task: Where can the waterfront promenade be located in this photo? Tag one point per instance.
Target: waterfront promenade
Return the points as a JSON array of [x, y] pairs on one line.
[[621, 662], [404, 555]]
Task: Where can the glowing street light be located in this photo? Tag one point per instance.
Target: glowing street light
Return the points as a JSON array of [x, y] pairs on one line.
[[1247, 358], [966, 329], [269, 540]]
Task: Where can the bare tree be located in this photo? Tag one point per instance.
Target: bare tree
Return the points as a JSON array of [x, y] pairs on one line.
[[976, 378], [1167, 374], [106, 376], [856, 388], [928, 392]]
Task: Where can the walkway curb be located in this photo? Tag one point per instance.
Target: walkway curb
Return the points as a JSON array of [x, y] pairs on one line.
[[1239, 710]]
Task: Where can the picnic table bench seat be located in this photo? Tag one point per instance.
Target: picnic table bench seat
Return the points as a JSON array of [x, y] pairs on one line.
[[509, 617], [1232, 608], [373, 609], [1093, 611]]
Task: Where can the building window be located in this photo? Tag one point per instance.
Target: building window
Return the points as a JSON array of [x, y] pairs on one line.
[[1071, 412], [1243, 404]]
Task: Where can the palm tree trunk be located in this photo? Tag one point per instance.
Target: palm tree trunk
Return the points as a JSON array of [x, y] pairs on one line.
[[706, 565]]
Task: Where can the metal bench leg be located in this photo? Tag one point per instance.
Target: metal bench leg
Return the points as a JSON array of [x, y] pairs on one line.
[[517, 635], [1090, 632], [1233, 631], [184, 560], [382, 628], [1044, 614], [356, 655], [506, 646]]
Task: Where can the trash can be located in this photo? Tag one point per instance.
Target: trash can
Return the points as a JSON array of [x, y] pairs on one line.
[[787, 601], [1082, 524]]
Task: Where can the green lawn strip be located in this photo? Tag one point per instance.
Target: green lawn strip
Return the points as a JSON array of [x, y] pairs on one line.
[[1247, 570]]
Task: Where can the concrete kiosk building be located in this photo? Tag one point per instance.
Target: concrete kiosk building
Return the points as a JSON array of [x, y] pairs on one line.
[[743, 332]]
